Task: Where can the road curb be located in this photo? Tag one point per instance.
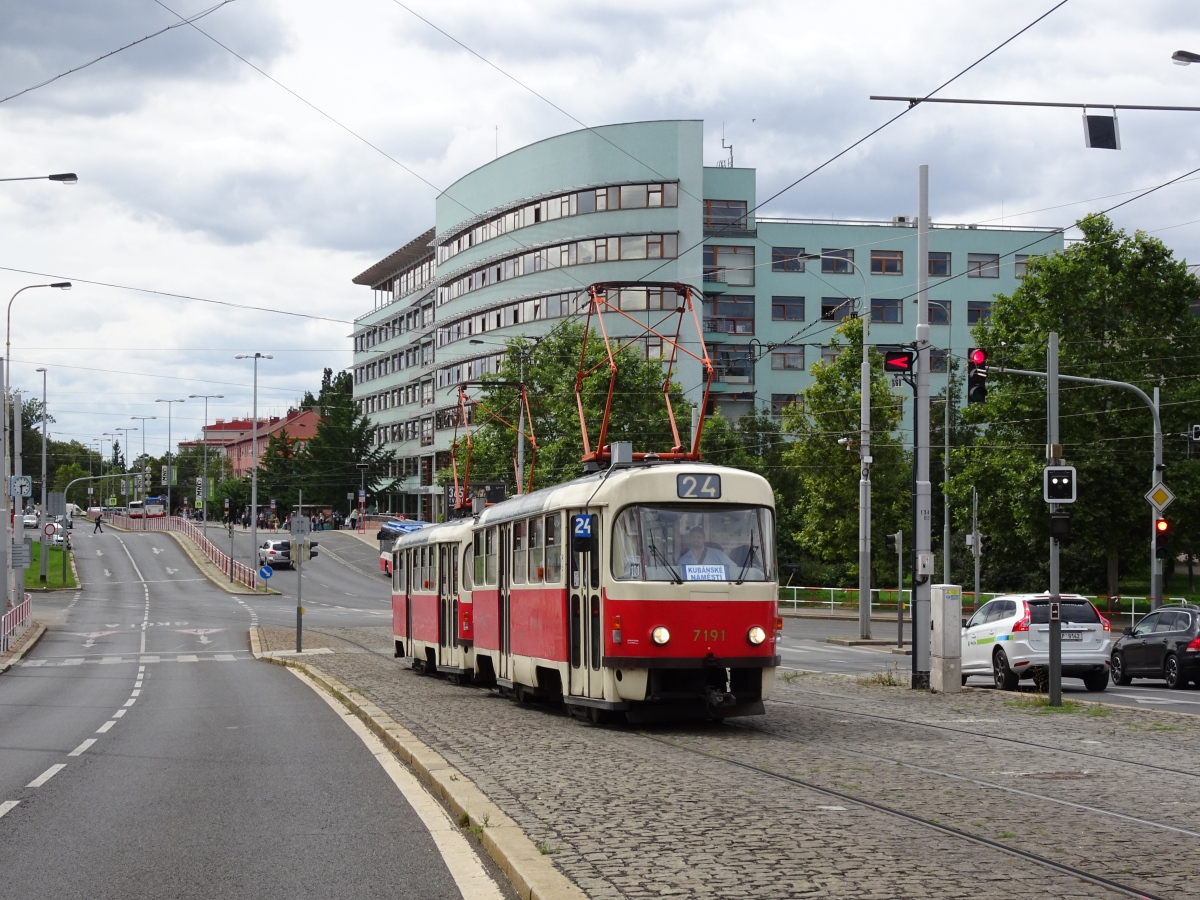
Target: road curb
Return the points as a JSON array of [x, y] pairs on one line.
[[528, 870], [28, 641]]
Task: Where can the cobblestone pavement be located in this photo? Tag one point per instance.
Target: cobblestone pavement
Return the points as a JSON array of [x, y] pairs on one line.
[[641, 813]]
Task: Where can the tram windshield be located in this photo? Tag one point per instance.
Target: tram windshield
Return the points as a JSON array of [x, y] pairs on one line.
[[693, 542]]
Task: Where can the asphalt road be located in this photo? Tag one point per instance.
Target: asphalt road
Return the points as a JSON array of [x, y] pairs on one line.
[[146, 753], [805, 646]]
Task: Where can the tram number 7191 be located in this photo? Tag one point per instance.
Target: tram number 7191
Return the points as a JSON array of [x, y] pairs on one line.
[[707, 634], [698, 487]]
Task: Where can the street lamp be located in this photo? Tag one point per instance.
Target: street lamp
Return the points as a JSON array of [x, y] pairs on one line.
[[125, 474], [5, 462], [254, 455], [61, 178], [45, 517], [362, 465], [145, 465], [170, 467], [204, 440], [103, 488], [1185, 57]]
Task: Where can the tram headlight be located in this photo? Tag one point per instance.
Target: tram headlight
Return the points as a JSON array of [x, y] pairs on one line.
[[756, 635], [660, 635]]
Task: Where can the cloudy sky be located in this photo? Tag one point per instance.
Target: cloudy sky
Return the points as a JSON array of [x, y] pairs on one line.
[[200, 176]]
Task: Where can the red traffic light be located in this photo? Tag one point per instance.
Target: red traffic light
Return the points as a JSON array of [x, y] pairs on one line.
[[1161, 526], [977, 356], [899, 361]]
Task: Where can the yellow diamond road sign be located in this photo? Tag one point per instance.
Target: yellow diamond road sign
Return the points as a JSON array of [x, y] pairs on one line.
[[1160, 497]]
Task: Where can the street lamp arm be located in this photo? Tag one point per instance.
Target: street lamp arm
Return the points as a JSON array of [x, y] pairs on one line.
[[1117, 384]]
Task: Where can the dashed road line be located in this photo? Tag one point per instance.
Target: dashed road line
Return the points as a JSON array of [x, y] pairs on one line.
[[82, 748], [107, 725], [47, 775], [8, 806]]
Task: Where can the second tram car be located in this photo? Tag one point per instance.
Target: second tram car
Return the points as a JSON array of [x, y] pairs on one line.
[[648, 589]]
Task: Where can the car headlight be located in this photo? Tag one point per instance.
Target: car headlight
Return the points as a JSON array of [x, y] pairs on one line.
[[660, 635], [756, 635]]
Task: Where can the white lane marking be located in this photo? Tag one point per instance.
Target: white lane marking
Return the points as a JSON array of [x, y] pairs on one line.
[[77, 661], [47, 775], [99, 552], [7, 806], [157, 550], [136, 692], [118, 713], [468, 873], [141, 668], [107, 573], [833, 808], [107, 725], [130, 701], [1160, 701], [82, 748]]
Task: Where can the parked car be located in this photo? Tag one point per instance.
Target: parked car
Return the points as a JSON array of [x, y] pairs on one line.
[[29, 520], [60, 534], [275, 554], [1009, 639], [1165, 644]]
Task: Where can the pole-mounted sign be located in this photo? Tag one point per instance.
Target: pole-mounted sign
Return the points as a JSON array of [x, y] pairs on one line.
[[1058, 484]]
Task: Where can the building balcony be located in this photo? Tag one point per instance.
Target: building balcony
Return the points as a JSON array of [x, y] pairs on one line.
[[715, 276]]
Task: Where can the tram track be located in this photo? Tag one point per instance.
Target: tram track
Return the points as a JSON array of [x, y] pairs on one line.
[[933, 825], [1171, 770]]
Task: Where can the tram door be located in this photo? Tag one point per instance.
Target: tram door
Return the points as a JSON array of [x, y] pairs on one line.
[[586, 636], [447, 563], [504, 605]]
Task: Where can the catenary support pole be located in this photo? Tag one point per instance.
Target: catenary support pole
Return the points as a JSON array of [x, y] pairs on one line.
[[1054, 458], [864, 479], [923, 571], [298, 560], [6, 536], [1156, 564], [946, 476], [900, 588], [43, 560], [976, 544]]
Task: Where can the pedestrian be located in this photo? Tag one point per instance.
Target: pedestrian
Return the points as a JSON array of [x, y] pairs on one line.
[[98, 527]]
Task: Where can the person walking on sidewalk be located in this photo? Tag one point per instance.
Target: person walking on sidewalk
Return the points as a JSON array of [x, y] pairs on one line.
[[98, 526]]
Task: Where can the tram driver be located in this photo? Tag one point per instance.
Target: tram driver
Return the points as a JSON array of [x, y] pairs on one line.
[[699, 552]]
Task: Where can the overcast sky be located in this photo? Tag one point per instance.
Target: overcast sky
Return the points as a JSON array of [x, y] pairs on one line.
[[199, 176]]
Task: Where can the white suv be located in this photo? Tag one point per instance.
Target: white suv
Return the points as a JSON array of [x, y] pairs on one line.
[[1009, 639]]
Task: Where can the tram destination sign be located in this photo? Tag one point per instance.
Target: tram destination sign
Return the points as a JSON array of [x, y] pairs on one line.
[[698, 487]]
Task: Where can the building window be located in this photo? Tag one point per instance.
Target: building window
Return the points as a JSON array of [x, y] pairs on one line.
[[886, 312], [729, 265], [787, 259], [724, 213], [834, 309], [788, 357], [841, 262], [732, 362], [427, 432], [978, 311], [787, 309], [733, 314], [887, 262], [828, 354], [1021, 264], [983, 265], [780, 402], [938, 360], [939, 312]]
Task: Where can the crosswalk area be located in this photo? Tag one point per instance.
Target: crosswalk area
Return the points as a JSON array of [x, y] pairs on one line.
[[46, 663]]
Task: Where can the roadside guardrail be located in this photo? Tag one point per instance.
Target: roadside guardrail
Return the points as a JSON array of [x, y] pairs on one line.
[[239, 572]]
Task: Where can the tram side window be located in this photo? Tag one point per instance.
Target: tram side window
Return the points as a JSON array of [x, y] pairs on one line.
[[443, 570], [452, 557], [468, 567], [554, 548], [418, 563], [489, 567], [519, 552], [479, 580], [535, 551], [398, 572]]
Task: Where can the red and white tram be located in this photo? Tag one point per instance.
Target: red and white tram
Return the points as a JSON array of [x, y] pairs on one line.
[[647, 589]]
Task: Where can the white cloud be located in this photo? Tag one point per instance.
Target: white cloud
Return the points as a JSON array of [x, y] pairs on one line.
[[199, 176]]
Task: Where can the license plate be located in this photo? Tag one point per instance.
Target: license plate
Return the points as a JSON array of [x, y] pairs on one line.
[[1072, 635]]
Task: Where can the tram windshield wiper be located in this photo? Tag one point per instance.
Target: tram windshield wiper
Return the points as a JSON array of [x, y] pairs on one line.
[[657, 554], [749, 556]]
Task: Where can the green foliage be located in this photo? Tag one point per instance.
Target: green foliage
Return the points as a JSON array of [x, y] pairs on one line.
[[1122, 307], [548, 368], [67, 473], [825, 506]]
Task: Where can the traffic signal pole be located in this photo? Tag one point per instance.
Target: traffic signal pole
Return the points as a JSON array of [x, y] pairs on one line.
[[1054, 454], [922, 499], [1156, 588]]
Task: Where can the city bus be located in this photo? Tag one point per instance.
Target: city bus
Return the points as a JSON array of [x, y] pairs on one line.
[[152, 507]]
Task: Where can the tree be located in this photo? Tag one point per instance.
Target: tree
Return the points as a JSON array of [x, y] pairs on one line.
[[828, 476], [548, 368], [64, 475], [1122, 308]]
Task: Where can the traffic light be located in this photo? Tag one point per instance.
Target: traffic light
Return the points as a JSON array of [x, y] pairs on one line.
[[898, 362], [1060, 525], [310, 549], [976, 375], [983, 543], [1058, 484], [1162, 536], [892, 539]]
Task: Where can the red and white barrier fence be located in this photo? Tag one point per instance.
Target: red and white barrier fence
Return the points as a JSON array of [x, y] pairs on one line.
[[14, 621], [239, 572]]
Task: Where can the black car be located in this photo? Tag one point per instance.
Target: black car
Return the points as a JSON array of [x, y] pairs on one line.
[[1165, 644]]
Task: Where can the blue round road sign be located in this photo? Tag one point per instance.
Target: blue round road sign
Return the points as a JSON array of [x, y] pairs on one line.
[[266, 572]]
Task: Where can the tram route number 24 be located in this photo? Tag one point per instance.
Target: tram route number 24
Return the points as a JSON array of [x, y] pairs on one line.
[[583, 528], [698, 487]]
